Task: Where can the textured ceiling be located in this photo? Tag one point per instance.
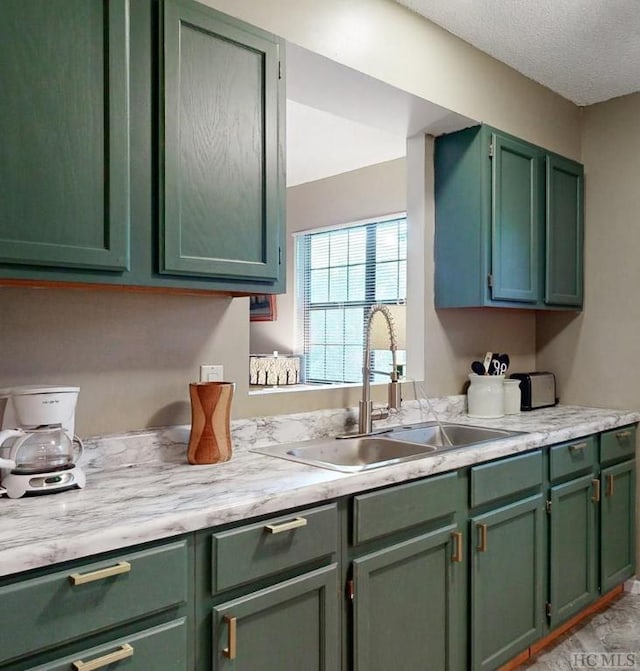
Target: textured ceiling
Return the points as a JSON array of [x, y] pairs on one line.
[[585, 50]]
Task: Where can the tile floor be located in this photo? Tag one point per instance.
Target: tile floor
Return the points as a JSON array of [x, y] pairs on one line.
[[613, 630]]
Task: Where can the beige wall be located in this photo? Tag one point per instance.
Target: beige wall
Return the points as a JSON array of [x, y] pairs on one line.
[[133, 355], [341, 199], [391, 43], [596, 354]]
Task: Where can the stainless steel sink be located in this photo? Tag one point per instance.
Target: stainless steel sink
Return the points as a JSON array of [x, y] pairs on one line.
[[449, 436], [397, 446]]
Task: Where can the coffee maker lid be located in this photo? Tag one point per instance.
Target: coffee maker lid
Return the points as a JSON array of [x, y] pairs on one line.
[[27, 389]]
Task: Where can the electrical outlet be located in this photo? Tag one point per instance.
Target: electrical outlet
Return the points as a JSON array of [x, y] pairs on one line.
[[211, 373]]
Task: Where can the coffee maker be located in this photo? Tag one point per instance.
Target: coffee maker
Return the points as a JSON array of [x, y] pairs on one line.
[[39, 450]]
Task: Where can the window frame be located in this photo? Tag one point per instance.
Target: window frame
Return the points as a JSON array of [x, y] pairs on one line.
[[302, 281]]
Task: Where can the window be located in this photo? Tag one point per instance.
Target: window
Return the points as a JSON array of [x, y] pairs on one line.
[[340, 273]]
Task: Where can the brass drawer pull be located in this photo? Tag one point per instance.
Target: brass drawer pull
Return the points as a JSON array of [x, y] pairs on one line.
[[596, 490], [124, 652], [457, 546], [482, 543], [578, 446], [232, 640], [623, 435], [609, 491], [100, 574], [286, 526]]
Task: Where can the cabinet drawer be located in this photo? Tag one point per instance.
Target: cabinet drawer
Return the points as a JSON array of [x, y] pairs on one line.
[[51, 609], [162, 648], [572, 458], [618, 444], [498, 479], [262, 549], [384, 512]]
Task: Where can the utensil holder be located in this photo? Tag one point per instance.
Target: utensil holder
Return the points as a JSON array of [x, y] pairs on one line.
[[210, 439], [485, 396]]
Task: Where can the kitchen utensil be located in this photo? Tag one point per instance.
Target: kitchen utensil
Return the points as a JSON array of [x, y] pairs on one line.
[[498, 368], [504, 359], [40, 450], [478, 368], [210, 439], [487, 362], [37, 441]]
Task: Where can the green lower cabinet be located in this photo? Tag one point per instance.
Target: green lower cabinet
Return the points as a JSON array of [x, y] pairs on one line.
[[507, 590], [617, 524], [162, 648], [292, 625], [573, 548], [406, 605]]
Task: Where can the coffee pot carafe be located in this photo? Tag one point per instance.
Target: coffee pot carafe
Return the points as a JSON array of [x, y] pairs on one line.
[[38, 449]]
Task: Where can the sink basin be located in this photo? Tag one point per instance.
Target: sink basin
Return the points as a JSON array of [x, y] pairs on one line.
[[449, 436], [397, 446], [358, 454]]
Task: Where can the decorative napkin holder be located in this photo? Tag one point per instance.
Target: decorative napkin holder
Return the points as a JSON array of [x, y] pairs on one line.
[[210, 439]]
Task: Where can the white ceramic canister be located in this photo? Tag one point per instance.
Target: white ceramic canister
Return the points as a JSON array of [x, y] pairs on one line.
[[512, 397], [485, 396]]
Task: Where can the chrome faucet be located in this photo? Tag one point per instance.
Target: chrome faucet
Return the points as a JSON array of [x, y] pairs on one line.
[[367, 414]]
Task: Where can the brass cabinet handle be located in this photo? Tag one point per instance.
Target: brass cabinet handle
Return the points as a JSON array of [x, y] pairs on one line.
[[596, 490], [482, 543], [232, 640], [622, 435], [457, 546], [578, 446], [100, 574], [124, 652], [286, 526], [609, 491]]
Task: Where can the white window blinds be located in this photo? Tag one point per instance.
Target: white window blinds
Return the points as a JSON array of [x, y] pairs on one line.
[[340, 274]]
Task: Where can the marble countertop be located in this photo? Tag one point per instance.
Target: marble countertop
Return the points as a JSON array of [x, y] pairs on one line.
[[140, 487]]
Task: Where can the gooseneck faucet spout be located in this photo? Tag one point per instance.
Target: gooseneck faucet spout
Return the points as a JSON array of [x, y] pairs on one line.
[[366, 412]]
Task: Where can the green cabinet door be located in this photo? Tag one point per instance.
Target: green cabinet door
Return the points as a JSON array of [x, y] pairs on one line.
[[221, 180], [407, 612], [516, 220], [573, 548], [507, 591], [64, 154], [617, 524], [564, 239], [292, 625]]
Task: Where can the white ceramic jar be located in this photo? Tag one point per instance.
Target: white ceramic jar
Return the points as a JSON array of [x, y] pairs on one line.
[[512, 396], [485, 396]]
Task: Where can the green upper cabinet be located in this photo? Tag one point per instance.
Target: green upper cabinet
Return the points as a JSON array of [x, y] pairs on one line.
[[221, 171], [564, 249], [506, 234], [142, 145], [516, 218], [64, 155]]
